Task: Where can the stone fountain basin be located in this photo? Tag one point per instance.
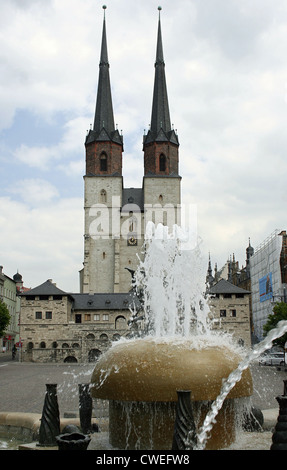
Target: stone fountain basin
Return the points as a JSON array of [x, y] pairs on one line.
[[154, 369], [147, 374]]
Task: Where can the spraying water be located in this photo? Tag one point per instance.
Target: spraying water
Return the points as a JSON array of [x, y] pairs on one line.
[[171, 281], [233, 378], [172, 294]]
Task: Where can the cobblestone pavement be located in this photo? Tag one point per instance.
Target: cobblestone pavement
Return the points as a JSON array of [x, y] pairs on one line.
[[22, 385]]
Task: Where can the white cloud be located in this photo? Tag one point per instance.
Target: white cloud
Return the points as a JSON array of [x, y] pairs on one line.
[[226, 74], [43, 242], [35, 191], [45, 157]]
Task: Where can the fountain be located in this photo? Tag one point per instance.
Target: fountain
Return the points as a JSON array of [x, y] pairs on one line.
[[177, 351]]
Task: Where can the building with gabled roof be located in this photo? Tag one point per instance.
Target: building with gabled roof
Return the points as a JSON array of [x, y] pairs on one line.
[[57, 326], [230, 312]]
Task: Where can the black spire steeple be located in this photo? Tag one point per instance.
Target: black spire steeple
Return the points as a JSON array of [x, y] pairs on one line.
[[104, 126], [160, 144], [160, 127], [104, 144]]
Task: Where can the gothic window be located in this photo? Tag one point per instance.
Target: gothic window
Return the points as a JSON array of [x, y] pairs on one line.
[[132, 222], [103, 195], [162, 162], [103, 162]]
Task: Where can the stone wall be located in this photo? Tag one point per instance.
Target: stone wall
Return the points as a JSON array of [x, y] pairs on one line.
[[232, 315]]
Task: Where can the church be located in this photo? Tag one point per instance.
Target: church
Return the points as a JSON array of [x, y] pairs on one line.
[[78, 327], [115, 216]]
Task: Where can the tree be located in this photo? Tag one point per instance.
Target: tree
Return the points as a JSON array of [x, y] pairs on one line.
[[279, 313], [4, 317]]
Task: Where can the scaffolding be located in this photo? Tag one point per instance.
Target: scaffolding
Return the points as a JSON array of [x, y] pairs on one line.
[[266, 280]]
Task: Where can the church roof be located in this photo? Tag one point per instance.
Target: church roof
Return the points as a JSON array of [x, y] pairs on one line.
[[47, 288], [116, 301], [225, 287], [133, 196]]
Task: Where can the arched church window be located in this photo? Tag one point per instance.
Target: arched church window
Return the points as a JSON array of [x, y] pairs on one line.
[[162, 162], [103, 162], [103, 196]]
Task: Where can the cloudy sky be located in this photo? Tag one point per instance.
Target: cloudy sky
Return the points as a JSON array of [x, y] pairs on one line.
[[226, 69]]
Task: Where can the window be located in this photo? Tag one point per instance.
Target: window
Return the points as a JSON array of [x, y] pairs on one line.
[[78, 318], [38, 315], [233, 313], [96, 317], [162, 162], [104, 337], [87, 317], [57, 297], [222, 313], [103, 162], [42, 345], [91, 336], [106, 317], [48, 315], [103, 194]]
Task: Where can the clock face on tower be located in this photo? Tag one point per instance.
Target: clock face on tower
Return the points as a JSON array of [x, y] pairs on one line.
[[132, 240]]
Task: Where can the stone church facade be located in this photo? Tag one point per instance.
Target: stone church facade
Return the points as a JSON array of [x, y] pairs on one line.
[[60, 326]]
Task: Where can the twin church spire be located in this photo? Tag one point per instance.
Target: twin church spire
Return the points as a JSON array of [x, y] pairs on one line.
[[159, 143]]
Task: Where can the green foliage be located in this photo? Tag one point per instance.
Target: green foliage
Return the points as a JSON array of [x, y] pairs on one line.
[[279, 313], [4, 317]]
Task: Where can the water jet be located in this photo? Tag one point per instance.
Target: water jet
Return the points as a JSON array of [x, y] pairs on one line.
[[176, 349]]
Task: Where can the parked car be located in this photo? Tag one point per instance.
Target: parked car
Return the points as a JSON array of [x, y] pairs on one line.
[[272, 359]]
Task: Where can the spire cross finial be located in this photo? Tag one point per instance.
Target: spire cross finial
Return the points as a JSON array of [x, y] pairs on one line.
[[104, 8]]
